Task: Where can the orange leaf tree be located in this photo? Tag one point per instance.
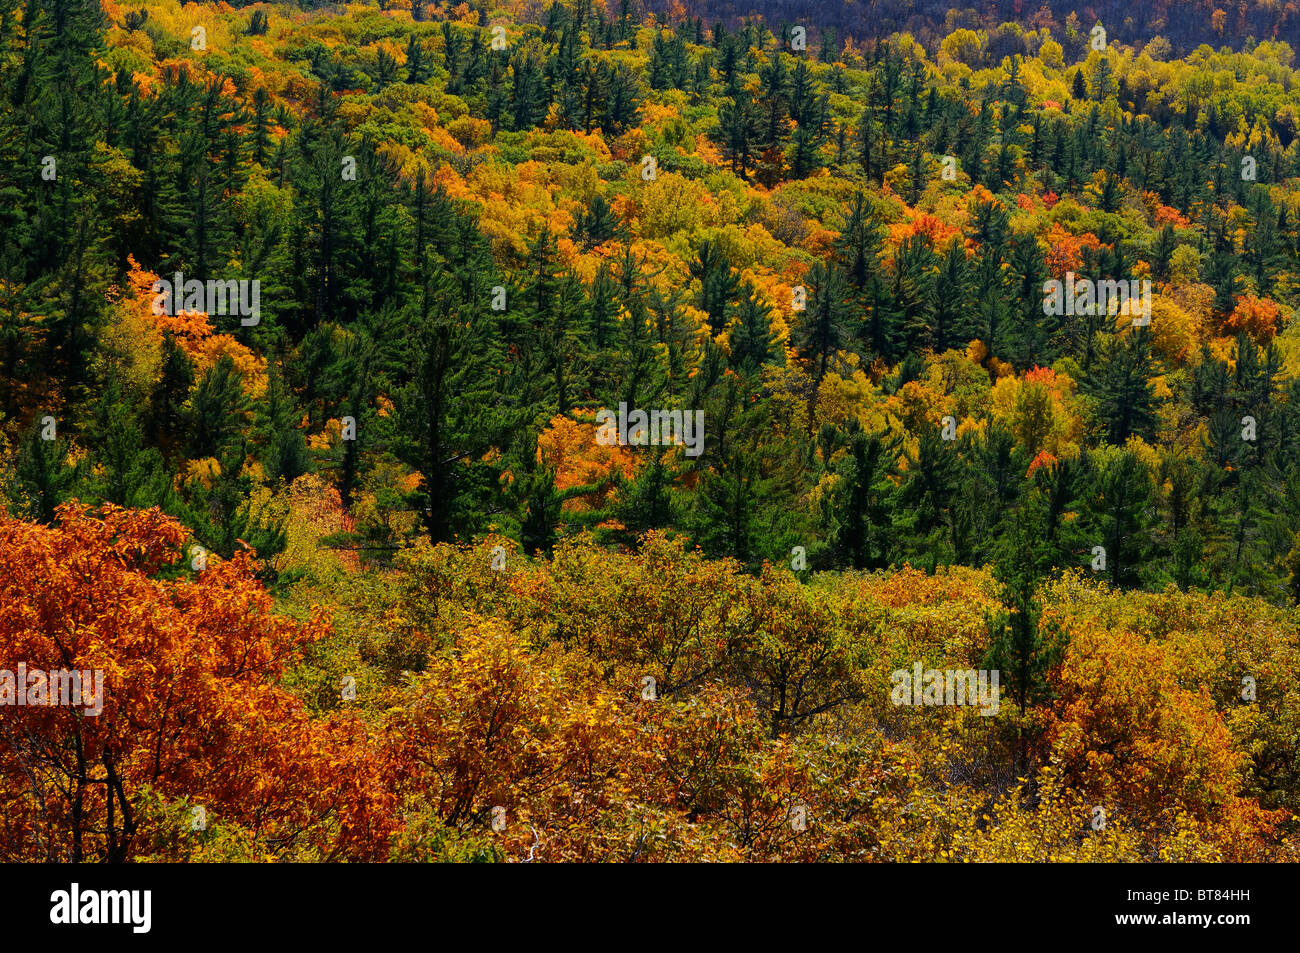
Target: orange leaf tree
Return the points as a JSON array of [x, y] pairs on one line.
[[189, 707]]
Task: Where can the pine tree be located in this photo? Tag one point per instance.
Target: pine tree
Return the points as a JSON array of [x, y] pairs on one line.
[[598, 223], [42, 477], [718, 283], [740, 132], [860, 529], [911, 288], [857, 248], [1116, 511], [744, 504], [126, 471], [284, 456], [224, 514], [217, 410], [1121, 386], [753, 340], [1023, 648], [950, 305], [825, 327], [1035, 343], [923, 511]]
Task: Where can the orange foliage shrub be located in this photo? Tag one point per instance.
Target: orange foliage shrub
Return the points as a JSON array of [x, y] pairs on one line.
[[1042, 459], [1064, 249], [1135, 723], [933, 228], [193, 333], [571, 448], [1257, 317], [189, 704]]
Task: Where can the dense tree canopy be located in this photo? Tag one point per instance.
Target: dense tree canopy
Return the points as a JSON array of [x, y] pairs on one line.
[[367, 580]]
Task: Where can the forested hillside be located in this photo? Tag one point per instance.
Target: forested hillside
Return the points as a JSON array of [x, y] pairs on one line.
[[324, 333], [1184, 23]]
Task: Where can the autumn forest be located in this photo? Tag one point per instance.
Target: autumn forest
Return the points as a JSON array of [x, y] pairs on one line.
[[620, 431]]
